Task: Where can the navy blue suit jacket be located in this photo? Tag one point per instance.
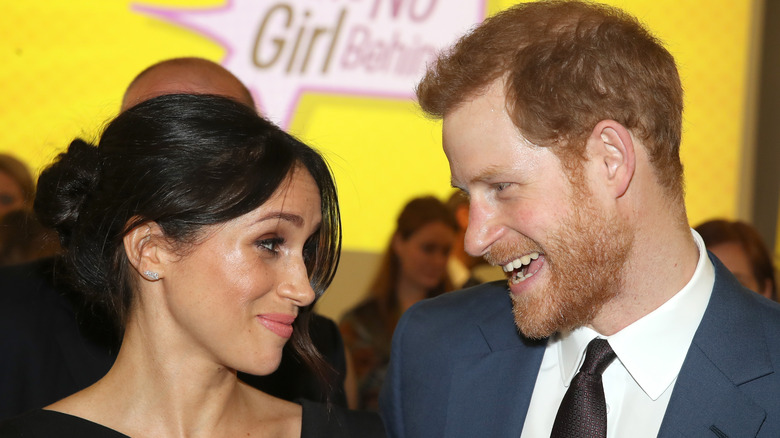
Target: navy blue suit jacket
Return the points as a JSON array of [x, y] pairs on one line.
[[459, 368]]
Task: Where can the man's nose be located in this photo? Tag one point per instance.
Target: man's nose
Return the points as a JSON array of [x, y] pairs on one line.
[[483, 229]]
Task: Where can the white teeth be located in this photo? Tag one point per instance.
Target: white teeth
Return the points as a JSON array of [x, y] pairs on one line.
[[519, 278], [519, 263]]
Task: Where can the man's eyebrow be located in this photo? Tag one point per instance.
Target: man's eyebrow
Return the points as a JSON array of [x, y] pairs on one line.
[[486, 174], [289, 217]]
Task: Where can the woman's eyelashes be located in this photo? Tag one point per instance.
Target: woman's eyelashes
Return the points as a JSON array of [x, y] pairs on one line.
[[275, 244], [271, 244]]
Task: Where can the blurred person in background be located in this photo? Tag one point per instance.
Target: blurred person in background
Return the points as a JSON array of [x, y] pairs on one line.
[[185, 75], [23, 239], [739, 246], [17, 188], [461, 264], [466, 270], [414, 267]]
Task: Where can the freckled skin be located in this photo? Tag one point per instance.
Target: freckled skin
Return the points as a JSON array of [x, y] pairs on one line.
[[249, 266]]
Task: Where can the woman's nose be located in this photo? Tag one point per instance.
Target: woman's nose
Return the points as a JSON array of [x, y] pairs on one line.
[[296, 286]]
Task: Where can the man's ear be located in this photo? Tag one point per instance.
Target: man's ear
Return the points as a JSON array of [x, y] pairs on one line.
[[611, 147], [144, 246]]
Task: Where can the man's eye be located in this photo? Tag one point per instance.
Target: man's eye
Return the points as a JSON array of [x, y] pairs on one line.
[[501, 186]]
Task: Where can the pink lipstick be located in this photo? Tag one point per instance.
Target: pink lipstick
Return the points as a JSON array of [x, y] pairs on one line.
[[279, 323]]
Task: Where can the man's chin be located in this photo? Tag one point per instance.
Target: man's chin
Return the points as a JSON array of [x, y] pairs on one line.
[[543, 316], [535, 320]]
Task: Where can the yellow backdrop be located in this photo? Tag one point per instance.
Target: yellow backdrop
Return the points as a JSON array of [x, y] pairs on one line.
[[64, 65]]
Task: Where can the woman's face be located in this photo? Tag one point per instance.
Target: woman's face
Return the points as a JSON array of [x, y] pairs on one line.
[[11, 196], [423, 256], [233, 296]]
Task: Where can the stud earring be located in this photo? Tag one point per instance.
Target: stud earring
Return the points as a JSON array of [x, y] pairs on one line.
[[152, 275]]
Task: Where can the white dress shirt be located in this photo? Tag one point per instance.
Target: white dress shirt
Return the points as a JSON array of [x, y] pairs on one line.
[[639, 383]]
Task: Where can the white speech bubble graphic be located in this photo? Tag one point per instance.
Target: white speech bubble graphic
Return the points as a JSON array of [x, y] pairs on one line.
[[282, 49]]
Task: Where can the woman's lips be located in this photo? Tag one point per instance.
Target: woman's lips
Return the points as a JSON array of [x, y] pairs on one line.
[[279, 323]]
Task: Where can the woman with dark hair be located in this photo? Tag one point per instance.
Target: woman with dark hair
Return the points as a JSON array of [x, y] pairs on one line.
[[207, 232], [413, 267], [739, 246]]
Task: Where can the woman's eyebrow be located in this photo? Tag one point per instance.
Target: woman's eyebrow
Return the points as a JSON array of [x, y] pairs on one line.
[[289, 217]]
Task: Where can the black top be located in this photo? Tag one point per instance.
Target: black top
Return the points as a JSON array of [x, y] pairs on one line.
[[40, 423], [319, 421], [51, 343], [324, 421]]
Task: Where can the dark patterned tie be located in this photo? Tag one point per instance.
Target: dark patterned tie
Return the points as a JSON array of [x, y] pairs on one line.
[[583, 411]]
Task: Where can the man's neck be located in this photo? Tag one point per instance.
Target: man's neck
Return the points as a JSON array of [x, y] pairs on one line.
[[662, 261]]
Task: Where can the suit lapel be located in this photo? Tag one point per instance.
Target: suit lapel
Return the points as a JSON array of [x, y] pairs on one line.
[[490, 392], [728, 350], [705, 403]]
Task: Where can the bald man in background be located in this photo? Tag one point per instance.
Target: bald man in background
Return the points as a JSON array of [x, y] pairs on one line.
[[187, 76], [53, 344]]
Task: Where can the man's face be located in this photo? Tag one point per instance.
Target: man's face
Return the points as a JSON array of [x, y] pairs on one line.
[[562, 252]]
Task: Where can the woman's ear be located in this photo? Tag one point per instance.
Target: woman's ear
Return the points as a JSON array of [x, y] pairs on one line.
[[144, 246]]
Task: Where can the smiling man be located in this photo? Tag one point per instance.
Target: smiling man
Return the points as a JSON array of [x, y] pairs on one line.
[[562, 122]]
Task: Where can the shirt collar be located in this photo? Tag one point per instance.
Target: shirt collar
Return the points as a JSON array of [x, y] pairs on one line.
[[653, 348]]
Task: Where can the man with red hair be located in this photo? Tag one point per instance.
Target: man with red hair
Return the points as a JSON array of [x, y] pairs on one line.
[[562, 122]]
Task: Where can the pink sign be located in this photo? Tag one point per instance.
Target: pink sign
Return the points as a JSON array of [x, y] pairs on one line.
[[282, 49]]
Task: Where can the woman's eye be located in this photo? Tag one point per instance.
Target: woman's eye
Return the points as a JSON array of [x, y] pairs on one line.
[[271, 245]]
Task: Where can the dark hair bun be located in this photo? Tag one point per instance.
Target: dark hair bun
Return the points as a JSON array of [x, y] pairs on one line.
[[65, 187]]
